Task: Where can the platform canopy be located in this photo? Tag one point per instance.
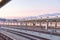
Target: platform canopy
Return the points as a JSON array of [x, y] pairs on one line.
[[3, 2]]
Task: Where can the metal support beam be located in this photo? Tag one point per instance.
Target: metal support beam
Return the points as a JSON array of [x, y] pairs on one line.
[[52, 30], [33, 25], [47, 25], [26, 25], [21, 24], [40, 25], [55, 25]]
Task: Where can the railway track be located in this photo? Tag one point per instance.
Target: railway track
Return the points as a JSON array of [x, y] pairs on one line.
[[4, 37], [41, 31], [31, 37]]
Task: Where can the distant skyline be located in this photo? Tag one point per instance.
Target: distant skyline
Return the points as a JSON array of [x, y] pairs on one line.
[[24, 8]]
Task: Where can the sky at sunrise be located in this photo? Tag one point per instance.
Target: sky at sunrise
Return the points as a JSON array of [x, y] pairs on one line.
[[25, 8]]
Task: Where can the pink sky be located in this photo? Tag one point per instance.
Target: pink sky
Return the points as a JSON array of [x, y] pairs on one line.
[[25, 8], [25, 13]]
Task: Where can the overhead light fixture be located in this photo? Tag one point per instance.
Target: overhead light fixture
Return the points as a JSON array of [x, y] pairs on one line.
[[3, 2], [0, 0]]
